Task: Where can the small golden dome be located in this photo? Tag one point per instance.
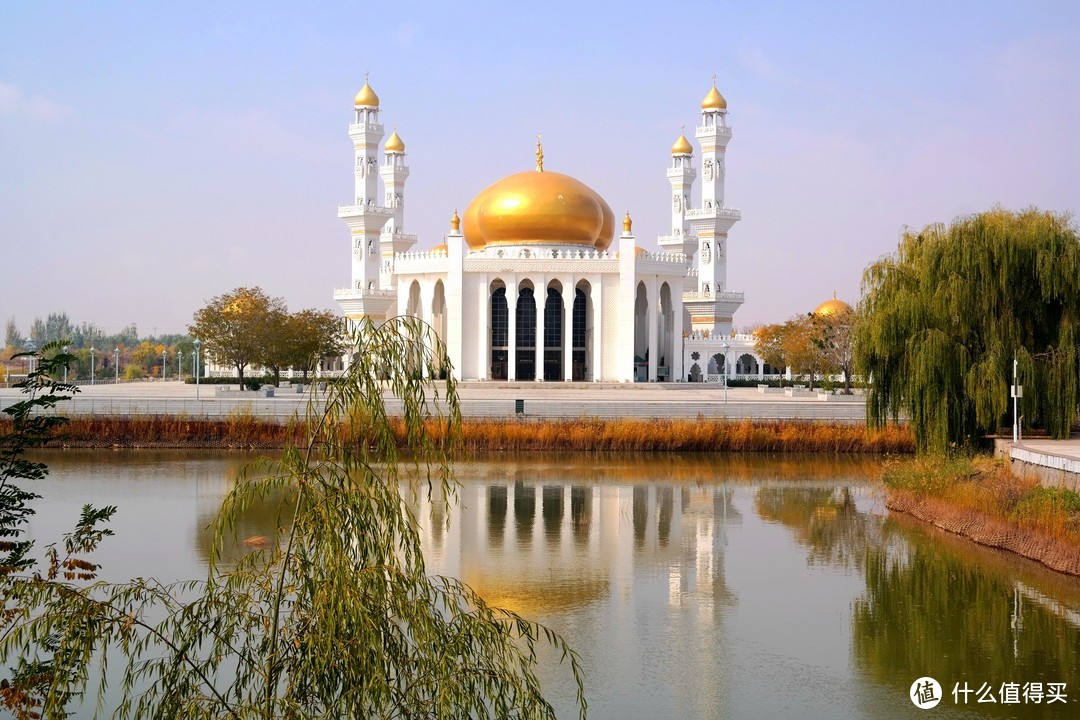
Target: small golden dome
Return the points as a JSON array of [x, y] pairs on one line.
[[832, 307], [714, 100], [440, 249], [394, 144], [682, 146], [627, 223], [455, 222], [366, 97], [538, 208]]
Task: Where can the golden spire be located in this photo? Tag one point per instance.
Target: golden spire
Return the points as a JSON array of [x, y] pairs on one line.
[[394, 143], [714, 100], [455, 222], [682, 146], [539, 155], [627, 223], [366, 96]]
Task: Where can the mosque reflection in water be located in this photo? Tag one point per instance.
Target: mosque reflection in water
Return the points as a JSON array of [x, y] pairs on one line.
[[541, 546]]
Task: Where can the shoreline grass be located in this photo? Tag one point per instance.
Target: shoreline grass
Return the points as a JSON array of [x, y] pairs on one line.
[[577, 435], [988, 487]]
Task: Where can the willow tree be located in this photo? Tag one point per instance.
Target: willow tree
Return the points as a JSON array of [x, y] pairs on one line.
[[943, 319], [339, 618]]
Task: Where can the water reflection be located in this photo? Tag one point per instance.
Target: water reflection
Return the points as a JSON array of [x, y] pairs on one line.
[[698, 587]]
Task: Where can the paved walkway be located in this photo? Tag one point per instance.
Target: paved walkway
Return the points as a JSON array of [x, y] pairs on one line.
[[482, 399], [1059, 448]]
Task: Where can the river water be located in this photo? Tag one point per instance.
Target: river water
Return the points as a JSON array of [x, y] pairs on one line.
[[705, 586]]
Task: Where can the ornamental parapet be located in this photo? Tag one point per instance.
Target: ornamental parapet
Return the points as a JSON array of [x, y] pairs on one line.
[[710, 296], [724, 212], [357, 128], [373, 210], [397, 236], [539, 253], [719, 130], [360, 294]]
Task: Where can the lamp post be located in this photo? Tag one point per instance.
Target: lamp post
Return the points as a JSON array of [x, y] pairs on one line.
[[116, 363], [91, 364], [65, 364], [726, 347], [198, 344], [164, 366], [179, 363]]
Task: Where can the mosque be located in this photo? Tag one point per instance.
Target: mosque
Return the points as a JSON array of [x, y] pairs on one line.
[[532, 283]]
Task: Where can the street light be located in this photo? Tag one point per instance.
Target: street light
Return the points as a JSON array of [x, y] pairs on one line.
[[179, 363], [30, 347], [116, 363], [198, 344], [164, 358], [726, 347], [91, 364], [65, 364]]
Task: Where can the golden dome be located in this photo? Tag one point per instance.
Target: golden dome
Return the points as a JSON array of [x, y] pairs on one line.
[[538, 208], [440, 249], [682, 146], [394, 144], [366, 96], [714, 100], [832, 307], [627, 223]]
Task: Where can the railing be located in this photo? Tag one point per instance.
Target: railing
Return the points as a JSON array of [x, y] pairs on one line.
[[284, 409], [359, 294], [722, 295], [365, 127], [724, 212], [376, 210]]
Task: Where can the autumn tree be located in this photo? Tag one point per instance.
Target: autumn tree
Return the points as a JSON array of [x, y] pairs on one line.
[[769, 346], [315, 334], [943, 318], [234, 327]]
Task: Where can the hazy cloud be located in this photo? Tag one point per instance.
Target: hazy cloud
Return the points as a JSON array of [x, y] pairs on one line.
[[13, 101]]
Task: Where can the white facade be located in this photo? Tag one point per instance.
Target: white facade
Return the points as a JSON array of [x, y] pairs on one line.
[[544, 308]]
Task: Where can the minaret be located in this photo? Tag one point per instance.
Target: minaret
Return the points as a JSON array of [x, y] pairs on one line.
[[393, 240], [712, 306], [681, 175], [365, 217]]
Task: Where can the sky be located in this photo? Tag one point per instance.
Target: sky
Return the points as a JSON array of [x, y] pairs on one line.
[[155, 155]]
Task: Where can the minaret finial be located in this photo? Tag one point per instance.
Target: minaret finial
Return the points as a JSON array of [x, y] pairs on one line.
[[539, 154], [366, 73], [455, 222], [627, 223], [714, 79]]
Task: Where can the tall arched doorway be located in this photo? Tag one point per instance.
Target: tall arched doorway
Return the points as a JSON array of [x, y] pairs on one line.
[[553, 333], [525, 341], [500, 334], [579, 335]]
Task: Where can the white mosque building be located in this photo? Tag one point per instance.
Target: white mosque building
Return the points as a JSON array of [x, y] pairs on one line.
[[532, 283]]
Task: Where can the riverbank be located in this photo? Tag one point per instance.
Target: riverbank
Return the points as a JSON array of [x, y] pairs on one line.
[[580, 435], [983, 500]]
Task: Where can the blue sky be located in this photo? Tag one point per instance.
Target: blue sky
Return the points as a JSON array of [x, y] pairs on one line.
[[154, 155]]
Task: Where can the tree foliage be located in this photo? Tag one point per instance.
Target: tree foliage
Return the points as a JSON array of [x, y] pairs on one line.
[[234, 327], [809, 344], [943, 318], [340, 617]]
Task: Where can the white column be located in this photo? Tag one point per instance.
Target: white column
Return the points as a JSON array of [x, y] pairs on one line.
[[540, 294], [678, 374], [483, 344], [568, 329], [511, 305], [596, 293], [652, 319]]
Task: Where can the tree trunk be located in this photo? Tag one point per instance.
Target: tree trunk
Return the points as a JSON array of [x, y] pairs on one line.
[[240, 372]]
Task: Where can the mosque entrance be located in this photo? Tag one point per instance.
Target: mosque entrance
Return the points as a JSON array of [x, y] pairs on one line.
[[526, 335], [553, 335]]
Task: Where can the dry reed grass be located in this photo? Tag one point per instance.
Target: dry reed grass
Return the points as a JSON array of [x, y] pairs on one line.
[[682, 435], [580, 435]]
